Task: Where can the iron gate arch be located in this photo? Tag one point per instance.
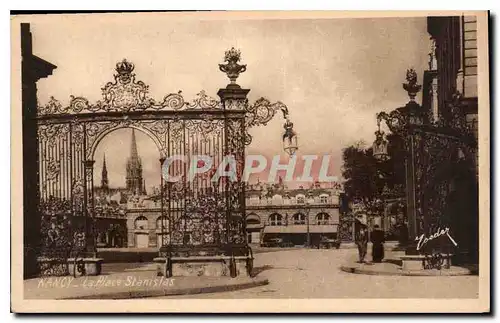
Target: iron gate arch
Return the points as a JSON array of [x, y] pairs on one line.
[[198, 212]]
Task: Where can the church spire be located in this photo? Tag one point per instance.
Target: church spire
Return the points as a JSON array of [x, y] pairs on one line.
[[134, 169], [133, 147], [104, 174]]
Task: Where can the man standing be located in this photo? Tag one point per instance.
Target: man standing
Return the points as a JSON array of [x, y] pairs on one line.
[[378, 239], [362, 243]]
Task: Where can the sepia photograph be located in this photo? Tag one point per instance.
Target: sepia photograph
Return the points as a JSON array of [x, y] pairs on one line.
[[250, 162]]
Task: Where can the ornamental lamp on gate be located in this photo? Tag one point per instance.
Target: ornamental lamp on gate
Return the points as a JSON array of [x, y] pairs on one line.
[[290, 143], [380, 145]]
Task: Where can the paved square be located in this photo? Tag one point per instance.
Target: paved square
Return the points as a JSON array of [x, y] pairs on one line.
[[312, 273]]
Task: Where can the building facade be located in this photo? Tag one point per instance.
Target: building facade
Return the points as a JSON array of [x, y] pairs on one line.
[[297, 216], [450, 91], [453, 63], [144, 222]]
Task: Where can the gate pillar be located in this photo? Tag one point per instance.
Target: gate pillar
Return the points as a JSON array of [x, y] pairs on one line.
[[234, 100], [90, 247]]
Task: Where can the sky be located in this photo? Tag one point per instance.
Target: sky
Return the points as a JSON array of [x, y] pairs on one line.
[[333, 74]]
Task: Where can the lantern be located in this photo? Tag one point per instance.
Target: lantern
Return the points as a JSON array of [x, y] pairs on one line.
[[290, 144], [380, 146]]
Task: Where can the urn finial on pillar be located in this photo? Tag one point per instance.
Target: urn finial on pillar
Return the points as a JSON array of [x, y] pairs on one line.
[[231, 66]]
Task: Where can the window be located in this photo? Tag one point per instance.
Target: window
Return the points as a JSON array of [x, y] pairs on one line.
[[301, 199], [277, 199], [253, 218], [159, 223], [275, 219], [322, 219], [323, 199], [141, 223], [299, 218]]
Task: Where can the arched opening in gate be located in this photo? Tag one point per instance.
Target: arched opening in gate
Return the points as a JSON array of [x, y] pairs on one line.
[[126, 177]]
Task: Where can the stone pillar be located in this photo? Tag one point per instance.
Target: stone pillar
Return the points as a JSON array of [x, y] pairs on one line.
[[33, 68]]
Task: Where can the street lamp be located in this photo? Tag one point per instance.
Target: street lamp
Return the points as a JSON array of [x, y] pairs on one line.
[[309, 202], [380, 145], [290, 143]]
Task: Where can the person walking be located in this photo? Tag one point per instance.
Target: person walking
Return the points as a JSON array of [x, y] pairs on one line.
[[378, 239], [362, 243]]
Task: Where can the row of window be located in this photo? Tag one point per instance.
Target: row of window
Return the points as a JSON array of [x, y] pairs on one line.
[[298, 219], [142, 222], [274, 219]]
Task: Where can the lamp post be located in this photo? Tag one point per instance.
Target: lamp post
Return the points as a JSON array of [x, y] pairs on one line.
[[403, 122], [309, 202]]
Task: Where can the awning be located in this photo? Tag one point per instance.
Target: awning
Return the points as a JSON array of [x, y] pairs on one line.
[[301, 229]]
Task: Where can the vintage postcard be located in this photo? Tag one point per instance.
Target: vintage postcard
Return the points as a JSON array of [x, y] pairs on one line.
[[250, 162]]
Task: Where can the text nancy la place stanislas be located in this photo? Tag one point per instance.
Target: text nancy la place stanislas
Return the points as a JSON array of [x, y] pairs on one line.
[[104, 281]]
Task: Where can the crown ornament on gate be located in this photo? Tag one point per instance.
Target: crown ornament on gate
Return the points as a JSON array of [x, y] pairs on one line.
[[232, 68], [124, 70]]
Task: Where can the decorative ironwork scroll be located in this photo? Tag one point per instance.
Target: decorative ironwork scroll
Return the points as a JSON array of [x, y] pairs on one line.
[[260, 113], [126, 94]]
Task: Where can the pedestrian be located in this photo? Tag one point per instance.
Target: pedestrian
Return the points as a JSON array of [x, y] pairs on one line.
[[378, 239], [362, 243]]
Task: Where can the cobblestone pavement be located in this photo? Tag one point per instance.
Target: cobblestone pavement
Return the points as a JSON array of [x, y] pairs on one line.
[[312, 273]]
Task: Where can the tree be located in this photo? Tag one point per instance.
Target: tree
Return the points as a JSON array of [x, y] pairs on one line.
[[366, 177]]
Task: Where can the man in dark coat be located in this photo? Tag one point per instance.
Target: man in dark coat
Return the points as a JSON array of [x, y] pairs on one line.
[[362, 243], [378, 239]]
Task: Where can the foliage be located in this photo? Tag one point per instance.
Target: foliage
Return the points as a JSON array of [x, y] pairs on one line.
[[365, 177]]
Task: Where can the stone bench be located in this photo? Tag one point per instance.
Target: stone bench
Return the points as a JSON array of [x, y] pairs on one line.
[[204, 266], [58, 267], [91, 266], [425, 262], [205, 260]]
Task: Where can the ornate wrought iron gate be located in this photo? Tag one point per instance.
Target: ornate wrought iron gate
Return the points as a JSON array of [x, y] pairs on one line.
[[446, 187], [194, 213], [441, 178]]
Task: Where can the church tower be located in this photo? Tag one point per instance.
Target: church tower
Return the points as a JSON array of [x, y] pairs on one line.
[[134, 169], [104, 175]]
